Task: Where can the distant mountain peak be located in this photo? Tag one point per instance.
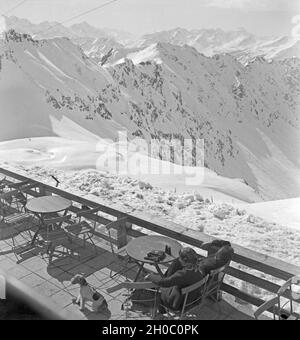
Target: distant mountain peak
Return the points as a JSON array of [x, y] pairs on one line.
[[98, 42]]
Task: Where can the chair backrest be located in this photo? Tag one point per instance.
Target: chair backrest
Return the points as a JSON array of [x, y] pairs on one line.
[[16, 193], [57, 221], [8, 196], [199, 286], [215, 280], [21, 198], [287, 286], [220, 272], [87, 212], [271, 305], [91, 215], [6, 199], [195, 286], [114, 225], [19, 185], [31, 185], [286, 291], [3, 183]]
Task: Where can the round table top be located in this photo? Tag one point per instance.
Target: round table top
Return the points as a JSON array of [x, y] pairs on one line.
[[48, 204], [139, 247]]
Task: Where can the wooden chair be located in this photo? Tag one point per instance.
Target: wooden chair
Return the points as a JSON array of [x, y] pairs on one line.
[[56, 236], [6, 200], [16, 198], [83, 228], [277, 308], [270, 305], [186, 306], [13, 213], [214, 283], [291, 296], [19, 185], [115, 225], [3, 185], [3, 180], [8, 212], [3, 206], [200, 286], [118, 252]]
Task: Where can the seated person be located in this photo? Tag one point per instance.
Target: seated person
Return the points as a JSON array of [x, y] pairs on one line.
[[219, 254], [187, 270], [182, 273]]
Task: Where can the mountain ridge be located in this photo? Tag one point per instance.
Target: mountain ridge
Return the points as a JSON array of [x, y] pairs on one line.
[[167, 93], [240, 43]]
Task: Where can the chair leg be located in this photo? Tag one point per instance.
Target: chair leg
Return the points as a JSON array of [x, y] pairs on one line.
[[94, 245], [15, 248], [89, 237], [120, 272], [156, 304], [51, 251]]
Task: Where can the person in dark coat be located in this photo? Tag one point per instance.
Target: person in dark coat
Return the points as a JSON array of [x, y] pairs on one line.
[[219, 254], [181, 273], [189, 269]]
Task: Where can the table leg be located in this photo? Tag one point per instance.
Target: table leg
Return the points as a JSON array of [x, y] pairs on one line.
[[141, 267], [64, 215], [41, 224], [35, 236], [159, 270]]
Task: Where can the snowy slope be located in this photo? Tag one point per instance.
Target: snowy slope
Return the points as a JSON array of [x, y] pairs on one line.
[[283, 212], [66, 154], [164, 92], [239, 110], [32, 70]]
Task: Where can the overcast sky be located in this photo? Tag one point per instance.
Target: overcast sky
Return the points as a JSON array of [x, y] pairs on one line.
[[262, 17]]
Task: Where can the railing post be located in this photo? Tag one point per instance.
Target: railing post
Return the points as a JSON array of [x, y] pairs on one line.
[[122, 234], [217, 296], [43, 191]]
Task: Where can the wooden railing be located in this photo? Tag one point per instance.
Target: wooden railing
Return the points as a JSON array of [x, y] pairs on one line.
[[250, 261]]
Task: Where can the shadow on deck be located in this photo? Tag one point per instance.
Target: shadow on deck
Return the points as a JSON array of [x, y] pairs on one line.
[[97, 265]]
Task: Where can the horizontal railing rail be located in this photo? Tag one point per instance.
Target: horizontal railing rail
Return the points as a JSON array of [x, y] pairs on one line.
[[252, 260]]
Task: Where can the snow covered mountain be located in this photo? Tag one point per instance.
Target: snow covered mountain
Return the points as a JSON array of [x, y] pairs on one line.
[[247, 115], [240, 43], [114, 45], [96, 43], [48, 29]]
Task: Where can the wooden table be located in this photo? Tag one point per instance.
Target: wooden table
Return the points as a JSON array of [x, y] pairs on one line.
[[138, 248], [42, 206]]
